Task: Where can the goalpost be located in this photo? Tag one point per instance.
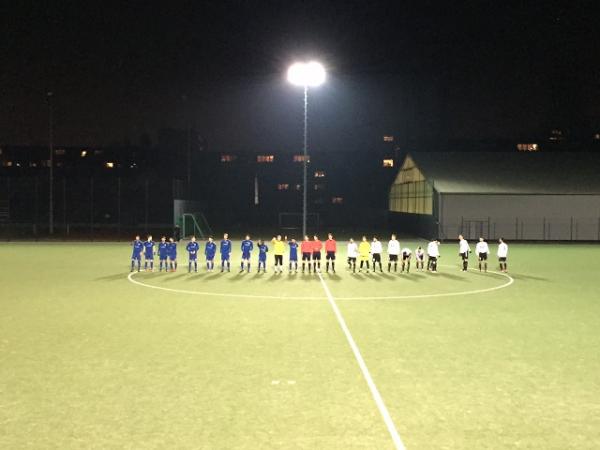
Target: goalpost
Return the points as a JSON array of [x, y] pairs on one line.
[[195, 224], [293, 221]]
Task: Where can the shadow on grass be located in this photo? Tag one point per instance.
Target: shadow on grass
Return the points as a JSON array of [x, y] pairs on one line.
[[115, 277], [357, 276], [527, 277], [173, 277], [449, 276], [194, 275]]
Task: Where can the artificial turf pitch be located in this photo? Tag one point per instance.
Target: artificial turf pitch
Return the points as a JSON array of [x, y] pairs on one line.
[[89, 359]]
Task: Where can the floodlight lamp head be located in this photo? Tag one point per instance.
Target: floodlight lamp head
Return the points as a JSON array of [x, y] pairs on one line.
[[308, 74]]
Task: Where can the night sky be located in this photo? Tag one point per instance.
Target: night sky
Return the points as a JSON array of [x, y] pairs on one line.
[[426, 74]]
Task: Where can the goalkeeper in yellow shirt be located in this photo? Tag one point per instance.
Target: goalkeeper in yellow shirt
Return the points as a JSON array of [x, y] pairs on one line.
[[364, 253], [278, 251]]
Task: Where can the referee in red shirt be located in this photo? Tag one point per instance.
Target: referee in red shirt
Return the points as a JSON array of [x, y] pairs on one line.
[[306, 249], [330, 249], [317, 245]]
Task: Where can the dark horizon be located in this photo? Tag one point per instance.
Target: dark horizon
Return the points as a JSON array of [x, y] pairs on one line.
[[426, 75]]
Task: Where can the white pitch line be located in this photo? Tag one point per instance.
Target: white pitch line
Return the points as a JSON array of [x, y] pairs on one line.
[[365, 370], [283, 297], [217, 294], [510, 281]]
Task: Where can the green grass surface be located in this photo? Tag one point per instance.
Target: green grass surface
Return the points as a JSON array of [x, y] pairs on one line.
[[89, 359]]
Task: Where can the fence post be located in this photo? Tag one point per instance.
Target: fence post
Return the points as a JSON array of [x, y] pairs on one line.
[[544, 230], [571, 227], [92, 207], [146, 206], [119, 208], [517, 229], [521, 229], [64, 199], [36, 206]]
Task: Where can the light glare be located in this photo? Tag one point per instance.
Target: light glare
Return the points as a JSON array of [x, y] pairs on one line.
[[306, 74]]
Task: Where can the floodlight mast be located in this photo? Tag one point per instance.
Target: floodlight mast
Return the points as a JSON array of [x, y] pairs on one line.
[[306, 75]]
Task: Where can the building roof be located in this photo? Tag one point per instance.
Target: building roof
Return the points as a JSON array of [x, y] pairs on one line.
[[511, 172]]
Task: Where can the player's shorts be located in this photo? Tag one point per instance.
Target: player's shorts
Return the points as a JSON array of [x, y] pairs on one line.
[[225, 256], [193, 256], [162, 257], [262, 259], [406, 256], [149, 256], [364, 258], [294, 257], [352, 259], [306, 256], [173, 256], [393, 258], [483, 256], [464, 256], [210, 258], [330, 256], [316, 256], [502, 258], [246, 255], [432, 258], [420, 257], [377, 257], [136, 256], [279, 260]]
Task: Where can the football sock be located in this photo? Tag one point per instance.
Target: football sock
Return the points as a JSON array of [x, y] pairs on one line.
[[132, 265]]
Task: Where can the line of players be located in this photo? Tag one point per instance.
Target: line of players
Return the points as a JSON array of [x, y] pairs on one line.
[[365, 252]]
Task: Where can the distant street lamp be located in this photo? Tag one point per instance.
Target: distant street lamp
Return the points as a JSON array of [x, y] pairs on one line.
[[310, 74]]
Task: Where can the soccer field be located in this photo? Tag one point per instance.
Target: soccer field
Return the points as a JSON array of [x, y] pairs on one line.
[[91, 357]]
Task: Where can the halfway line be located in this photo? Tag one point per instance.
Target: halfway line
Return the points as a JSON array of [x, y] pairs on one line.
[[364, 369]]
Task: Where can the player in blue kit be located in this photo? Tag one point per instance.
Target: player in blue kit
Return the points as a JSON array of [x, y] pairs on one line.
[[172, 254], [136, 255], [293, 254], [163, 250], [210, 251], [262, 256], [192, 249], [247, 247], [225, 253], [149, 253]]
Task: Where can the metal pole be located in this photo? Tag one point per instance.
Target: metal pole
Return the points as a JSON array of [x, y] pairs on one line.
[[119, 207], [92, 206], [305, 189], [64, 202], [51, 163]]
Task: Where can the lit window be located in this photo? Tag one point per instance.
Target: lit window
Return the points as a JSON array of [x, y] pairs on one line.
[[319, 187], [528, 147], [388, 163], [596, 137], [60, 151], [7, 163], [298, 187], [319, 174], [32, 164], [300, 158], [388, 138], [337, 200], [228, 158], [283, 186], [58, 164], [83, 153], [109, 165], [265, 158], [98, 152]]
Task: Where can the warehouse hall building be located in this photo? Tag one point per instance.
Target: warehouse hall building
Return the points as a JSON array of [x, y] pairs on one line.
[[516, 195]]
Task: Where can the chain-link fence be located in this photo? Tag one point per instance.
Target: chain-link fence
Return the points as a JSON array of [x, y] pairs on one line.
[[520, 228], [87, 207]]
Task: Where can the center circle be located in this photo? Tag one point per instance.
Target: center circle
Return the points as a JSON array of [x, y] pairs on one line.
[[507, 281]]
